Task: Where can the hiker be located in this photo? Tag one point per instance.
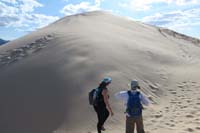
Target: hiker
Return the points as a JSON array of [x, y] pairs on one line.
[[133, 100], [102, 106]]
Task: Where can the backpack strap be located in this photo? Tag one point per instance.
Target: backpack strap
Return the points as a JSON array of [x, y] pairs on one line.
[[138, 93], [129, 93]]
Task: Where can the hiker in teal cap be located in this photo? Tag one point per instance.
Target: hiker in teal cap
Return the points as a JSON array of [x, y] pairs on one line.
[[134, 101], [101, 105]]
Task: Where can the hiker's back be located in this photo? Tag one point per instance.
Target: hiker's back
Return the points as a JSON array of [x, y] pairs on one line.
[[99, 97], [134, 106]]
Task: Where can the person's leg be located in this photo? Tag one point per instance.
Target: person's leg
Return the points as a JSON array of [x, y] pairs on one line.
[[98, 111], [130, 125], [139, 125], [104, 113]]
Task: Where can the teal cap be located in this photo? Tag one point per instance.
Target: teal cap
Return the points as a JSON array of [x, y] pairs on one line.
[[107, 80]]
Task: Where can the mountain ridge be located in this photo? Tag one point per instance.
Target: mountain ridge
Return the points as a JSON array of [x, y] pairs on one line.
[[3, 41]]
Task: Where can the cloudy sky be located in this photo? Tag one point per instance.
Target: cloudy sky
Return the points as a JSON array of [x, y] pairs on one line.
[[20, 17]]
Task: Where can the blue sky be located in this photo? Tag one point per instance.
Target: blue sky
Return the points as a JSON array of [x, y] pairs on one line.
[[20, 17]]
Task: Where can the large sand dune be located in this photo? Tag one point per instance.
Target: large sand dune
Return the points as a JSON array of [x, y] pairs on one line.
[[45, 76]]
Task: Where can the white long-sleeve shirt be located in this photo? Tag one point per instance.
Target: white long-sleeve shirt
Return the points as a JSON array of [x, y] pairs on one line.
[[123, 95]]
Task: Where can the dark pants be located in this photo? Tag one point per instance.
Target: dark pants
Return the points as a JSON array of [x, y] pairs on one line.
[[102, 114], [132, 121]]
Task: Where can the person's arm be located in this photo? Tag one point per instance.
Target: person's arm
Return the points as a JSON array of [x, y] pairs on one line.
[[105, 98], [122, 95], [144, 99]]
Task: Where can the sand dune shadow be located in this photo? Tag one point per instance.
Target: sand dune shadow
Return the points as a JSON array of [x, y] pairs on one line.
[[31, 101]]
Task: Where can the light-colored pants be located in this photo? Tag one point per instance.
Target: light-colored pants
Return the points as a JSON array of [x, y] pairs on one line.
[[132, 121]]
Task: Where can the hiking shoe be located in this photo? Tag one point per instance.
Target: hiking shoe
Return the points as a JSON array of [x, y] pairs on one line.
[[102, 128]]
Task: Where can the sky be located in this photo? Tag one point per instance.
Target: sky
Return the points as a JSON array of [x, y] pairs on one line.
[[21, 17]]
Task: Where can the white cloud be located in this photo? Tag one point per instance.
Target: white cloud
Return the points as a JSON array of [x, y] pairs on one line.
[[185, 2], [29, 5], [42, 20], [125, 5], [71, 9], [20, 14], [98, 2], [142, 5], [176, 20], [7, 14], [9, 1]]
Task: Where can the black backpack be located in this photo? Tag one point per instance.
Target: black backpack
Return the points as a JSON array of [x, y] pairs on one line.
[[91, 97], [94, 96]]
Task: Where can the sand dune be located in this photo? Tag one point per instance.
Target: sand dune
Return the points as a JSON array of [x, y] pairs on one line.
[[45, 76]]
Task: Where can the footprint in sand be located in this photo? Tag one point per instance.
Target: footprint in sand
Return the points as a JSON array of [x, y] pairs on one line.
[[190, 130], [189, 116], [169, 124], [158, 116], [153, 121], [172, 125], [198, 128], [183, 107], [173, 92], [19, 53]]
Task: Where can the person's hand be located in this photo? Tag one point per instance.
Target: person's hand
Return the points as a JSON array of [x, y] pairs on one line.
[[111, 113]]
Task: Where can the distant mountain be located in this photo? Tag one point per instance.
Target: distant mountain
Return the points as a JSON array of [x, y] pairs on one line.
[[3, 41]]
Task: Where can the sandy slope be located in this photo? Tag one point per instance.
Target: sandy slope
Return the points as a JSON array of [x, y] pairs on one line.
[[45, 76]]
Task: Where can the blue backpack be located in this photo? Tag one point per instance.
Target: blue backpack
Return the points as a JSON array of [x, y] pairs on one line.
[[134, 106]]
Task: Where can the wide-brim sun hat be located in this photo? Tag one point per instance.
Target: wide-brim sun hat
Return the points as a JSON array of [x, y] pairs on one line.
[[107, 80]]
